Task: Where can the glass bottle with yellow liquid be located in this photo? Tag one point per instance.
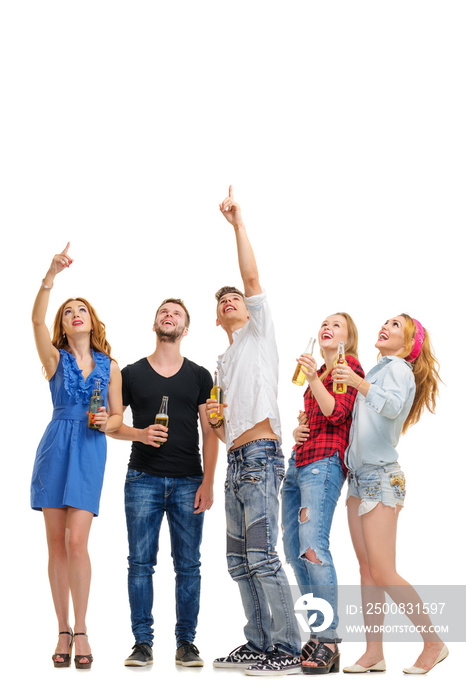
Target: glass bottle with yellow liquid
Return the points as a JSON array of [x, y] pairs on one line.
[[216, 393], [299, 375], [339, 387], [162, 416], [95, 403]]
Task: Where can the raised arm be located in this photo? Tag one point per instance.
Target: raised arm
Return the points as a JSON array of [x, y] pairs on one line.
[[246, 259], [48, 354]]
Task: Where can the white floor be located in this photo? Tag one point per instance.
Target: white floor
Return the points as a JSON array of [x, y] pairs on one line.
[[109, 676]]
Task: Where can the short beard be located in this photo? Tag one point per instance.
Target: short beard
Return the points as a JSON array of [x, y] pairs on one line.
[[165, 336]]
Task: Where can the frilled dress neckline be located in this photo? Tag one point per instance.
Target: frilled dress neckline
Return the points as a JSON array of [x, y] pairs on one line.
[[75, 385]]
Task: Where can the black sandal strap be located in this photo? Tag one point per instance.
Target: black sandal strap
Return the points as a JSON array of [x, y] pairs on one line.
[[308, 650], [323, 655]]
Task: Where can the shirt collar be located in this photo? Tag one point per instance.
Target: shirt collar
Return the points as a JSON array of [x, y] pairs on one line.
[[393, 358]]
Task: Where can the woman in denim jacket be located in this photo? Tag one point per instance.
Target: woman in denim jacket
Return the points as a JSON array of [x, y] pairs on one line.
[[390, 399]]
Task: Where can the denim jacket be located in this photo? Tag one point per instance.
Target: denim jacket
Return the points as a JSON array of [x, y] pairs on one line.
[[378, 418]]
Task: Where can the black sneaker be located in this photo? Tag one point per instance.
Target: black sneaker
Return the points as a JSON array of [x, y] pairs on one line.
[[188, 655], [241, 656], [140, 656], [277, 663]]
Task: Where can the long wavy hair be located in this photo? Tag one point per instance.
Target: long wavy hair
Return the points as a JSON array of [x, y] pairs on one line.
[[351, 345], [426, 375], [98, 339]]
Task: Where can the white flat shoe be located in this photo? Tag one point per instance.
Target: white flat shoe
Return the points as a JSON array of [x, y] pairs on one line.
[[415, 669], [356, 668]]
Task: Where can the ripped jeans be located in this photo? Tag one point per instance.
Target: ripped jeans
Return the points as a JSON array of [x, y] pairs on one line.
[[254, 476], [309, 497]]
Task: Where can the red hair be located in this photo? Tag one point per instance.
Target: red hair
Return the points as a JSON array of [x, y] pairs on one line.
[[98, 340]]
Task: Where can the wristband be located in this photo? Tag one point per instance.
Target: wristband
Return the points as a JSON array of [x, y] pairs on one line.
[[45, 286], [215, 425], [359, 383]]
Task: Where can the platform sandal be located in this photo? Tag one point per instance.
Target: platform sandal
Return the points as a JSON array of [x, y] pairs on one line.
[[307, 652], [78, 659], [65, 658], [327, 661]]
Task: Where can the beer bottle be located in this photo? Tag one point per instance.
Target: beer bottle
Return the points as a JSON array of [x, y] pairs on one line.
[[162, 416], [339, 387], [217, 393], [95, 403], [299, 376]]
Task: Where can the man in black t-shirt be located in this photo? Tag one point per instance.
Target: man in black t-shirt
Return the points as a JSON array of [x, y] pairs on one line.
[[165, 477]]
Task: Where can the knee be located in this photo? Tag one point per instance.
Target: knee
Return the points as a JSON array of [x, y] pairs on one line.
[[380, 575], [137, 569], [57, 546], [309, 553], [76, 547], [236, 560], [364, 572], [312, 556], [303, 515]]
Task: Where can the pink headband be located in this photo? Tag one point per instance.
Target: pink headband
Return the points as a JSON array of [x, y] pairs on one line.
[[418, 340]]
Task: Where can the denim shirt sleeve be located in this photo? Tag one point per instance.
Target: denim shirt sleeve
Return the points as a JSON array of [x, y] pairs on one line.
[[396, 388]]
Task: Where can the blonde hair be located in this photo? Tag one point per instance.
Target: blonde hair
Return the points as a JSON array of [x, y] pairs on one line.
[[351, 344], [98, 339], [426, 375]]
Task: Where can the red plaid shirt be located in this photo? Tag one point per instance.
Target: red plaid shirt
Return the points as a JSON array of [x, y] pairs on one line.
[[328, 434]]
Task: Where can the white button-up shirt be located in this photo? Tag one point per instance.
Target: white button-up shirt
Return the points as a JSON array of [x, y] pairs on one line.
[[248, 372]]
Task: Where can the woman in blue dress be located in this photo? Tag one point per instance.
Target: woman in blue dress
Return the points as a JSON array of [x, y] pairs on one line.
[[70, 460]]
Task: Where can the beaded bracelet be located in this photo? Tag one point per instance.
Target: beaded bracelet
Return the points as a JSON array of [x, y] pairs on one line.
[[215, 425]]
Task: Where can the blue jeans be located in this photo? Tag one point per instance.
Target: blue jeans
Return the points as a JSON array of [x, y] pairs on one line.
[[254, 475], [147, 498], [309, 496]]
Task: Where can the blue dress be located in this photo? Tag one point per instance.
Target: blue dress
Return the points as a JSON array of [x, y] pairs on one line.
[[70, 460]]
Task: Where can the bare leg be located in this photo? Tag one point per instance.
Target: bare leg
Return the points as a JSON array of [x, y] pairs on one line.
[[370, 593], [79, 571], [379, 534], [55, 526]]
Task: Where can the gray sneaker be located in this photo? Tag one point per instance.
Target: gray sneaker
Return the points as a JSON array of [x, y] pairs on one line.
[[188, 655], [140, 656]]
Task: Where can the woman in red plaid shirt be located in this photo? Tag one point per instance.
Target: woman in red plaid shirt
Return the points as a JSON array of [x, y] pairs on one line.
[[314, 481]]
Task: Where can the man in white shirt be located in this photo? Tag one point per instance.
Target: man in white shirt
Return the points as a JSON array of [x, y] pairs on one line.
[[248, 373]]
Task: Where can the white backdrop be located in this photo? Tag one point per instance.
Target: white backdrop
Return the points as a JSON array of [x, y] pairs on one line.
[[341, 127]]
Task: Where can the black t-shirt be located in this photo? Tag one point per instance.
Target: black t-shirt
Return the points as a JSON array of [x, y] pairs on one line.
[[143, 390]]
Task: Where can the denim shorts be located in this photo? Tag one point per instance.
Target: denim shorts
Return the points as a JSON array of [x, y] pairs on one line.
[[374, 485]]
